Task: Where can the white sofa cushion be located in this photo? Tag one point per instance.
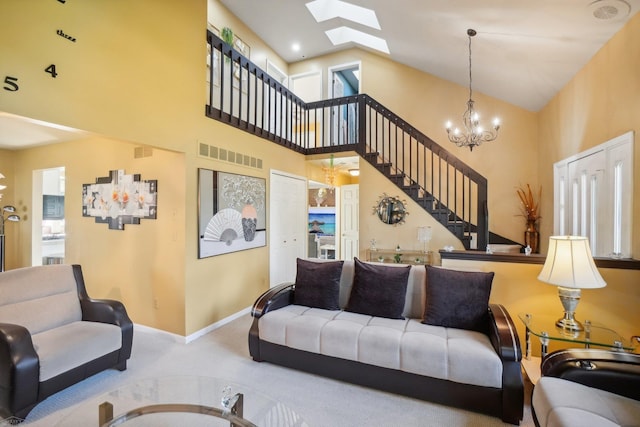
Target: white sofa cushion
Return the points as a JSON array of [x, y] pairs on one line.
[[39, 298], [451, 354], [69, 346], [563, 403]]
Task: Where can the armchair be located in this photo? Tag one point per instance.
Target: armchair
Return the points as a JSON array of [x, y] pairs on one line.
[[52, 335], [587, 387]]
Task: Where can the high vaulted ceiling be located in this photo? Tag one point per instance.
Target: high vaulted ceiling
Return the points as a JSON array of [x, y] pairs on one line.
[[524, 53]]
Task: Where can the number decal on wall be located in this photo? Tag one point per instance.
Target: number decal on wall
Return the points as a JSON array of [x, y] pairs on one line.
[[51, 69], [11, 84]]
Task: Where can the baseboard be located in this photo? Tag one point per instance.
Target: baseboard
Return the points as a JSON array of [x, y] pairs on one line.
[[194, 336]]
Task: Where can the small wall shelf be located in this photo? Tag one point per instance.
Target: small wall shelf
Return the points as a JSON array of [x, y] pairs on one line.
[[406, 256]]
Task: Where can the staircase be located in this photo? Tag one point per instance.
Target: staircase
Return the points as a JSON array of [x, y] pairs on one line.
[[244, 96]]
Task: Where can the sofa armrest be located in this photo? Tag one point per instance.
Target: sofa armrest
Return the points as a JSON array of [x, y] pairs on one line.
[[616, 372], [503, 334], [105, 311], [114, 313], [273, 299], [505, 341], [19, 370]]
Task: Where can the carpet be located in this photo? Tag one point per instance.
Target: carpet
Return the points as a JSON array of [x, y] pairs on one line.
[[224, 353]]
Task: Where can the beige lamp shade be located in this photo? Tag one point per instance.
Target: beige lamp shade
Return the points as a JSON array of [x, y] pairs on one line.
[[569, 264]]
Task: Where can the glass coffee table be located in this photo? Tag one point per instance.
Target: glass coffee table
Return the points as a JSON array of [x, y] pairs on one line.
[[182, 401]]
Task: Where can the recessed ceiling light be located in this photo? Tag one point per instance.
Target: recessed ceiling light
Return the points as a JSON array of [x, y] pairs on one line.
[[323, 10], [610, 9], [295, 47], [343, 35]]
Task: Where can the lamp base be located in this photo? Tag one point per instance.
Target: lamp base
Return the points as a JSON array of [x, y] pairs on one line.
[[569, 324], [569, 297]]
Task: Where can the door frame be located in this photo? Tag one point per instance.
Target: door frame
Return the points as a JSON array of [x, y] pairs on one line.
[[340, 67]]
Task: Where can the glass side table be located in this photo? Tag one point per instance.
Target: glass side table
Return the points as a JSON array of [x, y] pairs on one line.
[[544, 327]]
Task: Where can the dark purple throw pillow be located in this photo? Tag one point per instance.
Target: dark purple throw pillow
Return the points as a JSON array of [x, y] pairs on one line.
[[457, 299], [318, 284], [378, 290]]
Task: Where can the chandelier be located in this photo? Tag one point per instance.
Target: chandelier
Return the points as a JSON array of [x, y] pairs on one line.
[[474, 134], [330, 174]]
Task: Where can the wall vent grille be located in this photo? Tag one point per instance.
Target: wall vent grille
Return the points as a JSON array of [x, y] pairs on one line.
[[140, 152], [212, 152]]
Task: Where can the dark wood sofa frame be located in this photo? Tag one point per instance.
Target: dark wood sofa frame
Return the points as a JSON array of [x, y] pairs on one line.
[[506, 403]]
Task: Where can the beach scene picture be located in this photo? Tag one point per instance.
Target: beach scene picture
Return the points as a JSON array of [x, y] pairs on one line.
[[322, 223]]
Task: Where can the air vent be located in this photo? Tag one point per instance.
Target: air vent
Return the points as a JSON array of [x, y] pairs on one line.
[[140, 152], [216, 153], [607, 10]]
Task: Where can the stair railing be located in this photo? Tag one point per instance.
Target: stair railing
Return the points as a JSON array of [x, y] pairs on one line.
[[244, 96]]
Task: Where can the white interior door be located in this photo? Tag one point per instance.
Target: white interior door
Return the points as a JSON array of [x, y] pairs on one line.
[[349, 221], [288, 225]]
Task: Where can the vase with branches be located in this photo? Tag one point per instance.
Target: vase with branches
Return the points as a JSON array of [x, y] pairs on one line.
[[530, 210]]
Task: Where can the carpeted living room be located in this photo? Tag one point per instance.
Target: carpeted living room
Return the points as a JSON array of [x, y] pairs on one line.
[[319, 213], [223, 354]]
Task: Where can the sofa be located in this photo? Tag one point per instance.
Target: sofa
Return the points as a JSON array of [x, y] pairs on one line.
[[428, 332], [53, 335], [587, 387]]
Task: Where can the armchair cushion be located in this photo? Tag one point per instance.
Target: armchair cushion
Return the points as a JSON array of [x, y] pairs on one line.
[[62, 349], [563, 403], [378, 290], [318, 284], [457, 299]]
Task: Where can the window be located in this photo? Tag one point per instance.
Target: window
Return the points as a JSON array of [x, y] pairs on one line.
[[593, 196]]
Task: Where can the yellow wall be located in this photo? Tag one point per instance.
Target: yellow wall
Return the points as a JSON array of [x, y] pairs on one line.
[[136, 76], [389, 236], [427, 102], [517, 288], [143, 265], [601, 102]]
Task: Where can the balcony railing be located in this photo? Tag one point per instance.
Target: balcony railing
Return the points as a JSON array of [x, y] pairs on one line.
[[244, 96]]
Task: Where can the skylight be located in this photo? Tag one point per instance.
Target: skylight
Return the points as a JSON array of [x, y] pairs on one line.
[[324, 10], [343, 35]]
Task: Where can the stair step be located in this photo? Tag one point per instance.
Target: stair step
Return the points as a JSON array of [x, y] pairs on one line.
[[412, 191]]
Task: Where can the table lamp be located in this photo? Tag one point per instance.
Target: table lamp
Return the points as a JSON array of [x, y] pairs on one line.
[[570, 267], [424, 237]]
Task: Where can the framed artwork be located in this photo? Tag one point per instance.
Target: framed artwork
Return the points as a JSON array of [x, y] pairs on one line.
[[120, 199], [231, 212]]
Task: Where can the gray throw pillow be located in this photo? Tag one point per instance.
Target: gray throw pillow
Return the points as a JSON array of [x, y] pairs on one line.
[[378, 290], [457, 299], [318, 284]]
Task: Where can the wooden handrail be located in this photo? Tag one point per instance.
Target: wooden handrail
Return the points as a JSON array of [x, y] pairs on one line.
[[243, 95]]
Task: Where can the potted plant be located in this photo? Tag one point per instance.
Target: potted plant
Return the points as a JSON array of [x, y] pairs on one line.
[[227, 37], [530, 208]]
